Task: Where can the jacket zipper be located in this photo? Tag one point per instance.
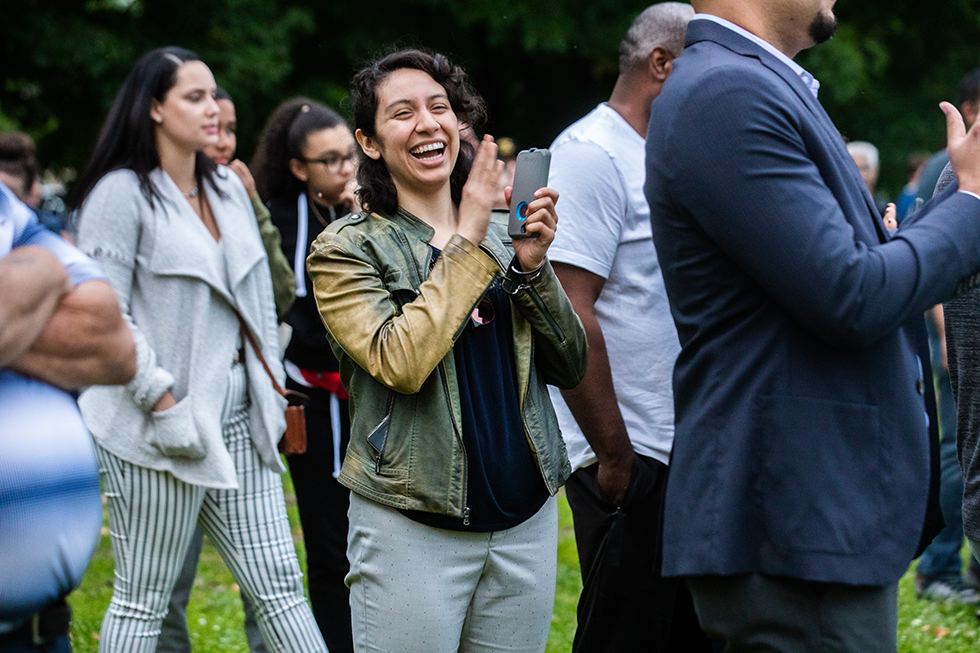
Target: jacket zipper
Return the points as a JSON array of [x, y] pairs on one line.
[[527, 434], [539, 303], [548, 317], [457, 429], [445, 382]]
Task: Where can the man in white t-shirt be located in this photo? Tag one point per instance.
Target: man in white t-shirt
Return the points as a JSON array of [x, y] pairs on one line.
[[618, 424]]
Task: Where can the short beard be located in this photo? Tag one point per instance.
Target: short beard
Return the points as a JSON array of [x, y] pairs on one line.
[[823, 27]]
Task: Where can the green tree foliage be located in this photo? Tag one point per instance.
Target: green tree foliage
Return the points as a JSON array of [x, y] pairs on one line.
[[539, 64], [885, 72], [65, 60]]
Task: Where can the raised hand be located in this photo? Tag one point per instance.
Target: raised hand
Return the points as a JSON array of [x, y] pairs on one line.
[[240, 169], [480, 192], [963, 148], [891, 216]]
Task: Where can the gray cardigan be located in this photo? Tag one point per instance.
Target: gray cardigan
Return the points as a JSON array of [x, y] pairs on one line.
[[176, 286]]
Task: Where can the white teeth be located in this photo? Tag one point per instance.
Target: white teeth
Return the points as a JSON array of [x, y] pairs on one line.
[[428, 148]]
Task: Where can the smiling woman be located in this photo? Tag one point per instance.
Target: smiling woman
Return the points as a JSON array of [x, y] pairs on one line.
[[192, 438], [446, 333]]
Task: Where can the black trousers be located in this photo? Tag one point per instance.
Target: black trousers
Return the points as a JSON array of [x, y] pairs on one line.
[[755, 613], [626, 605], [323, 504]]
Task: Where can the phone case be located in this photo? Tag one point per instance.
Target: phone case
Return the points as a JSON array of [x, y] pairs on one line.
[[530, 174]]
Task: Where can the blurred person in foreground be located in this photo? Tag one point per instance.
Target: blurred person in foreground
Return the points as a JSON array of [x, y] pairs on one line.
[[618, 423], [800, 476], [962, 325], [60, 329], [940, 574]]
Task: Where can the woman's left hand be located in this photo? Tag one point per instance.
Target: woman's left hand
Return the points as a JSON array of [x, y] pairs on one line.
[[541, 223]]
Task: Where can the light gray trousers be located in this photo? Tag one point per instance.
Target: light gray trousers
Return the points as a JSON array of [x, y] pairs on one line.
[[419, 588]]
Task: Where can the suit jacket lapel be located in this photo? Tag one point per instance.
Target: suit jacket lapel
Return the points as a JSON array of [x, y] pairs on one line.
[[831, 133], [705, 30]]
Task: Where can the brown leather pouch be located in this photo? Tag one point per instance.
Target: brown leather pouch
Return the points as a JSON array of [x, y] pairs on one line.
[[294, 439]]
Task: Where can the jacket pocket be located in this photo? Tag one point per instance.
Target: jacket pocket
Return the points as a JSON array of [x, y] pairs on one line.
[[378, 437], [820, 482], [174, 433]]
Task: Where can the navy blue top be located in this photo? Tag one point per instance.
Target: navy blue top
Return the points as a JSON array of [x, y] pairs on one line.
[[503, 484]]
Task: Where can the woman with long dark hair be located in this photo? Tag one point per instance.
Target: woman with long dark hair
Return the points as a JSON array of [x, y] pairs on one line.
[[447, 334], [192, 438], [303, 165]]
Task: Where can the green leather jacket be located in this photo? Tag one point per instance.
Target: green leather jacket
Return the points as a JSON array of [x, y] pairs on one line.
[[392, 326]]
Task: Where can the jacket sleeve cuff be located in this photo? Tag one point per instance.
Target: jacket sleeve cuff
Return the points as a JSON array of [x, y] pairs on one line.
[[517, 280], [480, 257]]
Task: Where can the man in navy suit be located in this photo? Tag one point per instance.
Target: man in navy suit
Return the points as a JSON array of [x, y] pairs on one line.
[[800, 472]]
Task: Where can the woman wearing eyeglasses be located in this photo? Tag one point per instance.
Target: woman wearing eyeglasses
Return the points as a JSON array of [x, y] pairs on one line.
[[303, 166], [447, 333]]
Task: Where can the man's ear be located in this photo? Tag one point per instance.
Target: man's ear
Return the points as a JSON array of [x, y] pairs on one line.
[[660, 63], [368, 144], [298, 169]]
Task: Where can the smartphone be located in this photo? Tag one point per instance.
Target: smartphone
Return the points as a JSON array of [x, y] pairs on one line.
[[530, 174]]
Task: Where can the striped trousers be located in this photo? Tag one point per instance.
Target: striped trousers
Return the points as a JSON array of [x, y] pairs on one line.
[[152, 516]]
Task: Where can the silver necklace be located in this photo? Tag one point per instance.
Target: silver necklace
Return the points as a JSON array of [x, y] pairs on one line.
[[191, 194]]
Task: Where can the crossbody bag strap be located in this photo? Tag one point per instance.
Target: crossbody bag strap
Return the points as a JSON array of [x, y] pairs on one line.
[[293, 397]]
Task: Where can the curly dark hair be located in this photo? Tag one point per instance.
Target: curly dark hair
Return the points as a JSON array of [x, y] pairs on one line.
[[127, 138], [377, 191], [284, 138]]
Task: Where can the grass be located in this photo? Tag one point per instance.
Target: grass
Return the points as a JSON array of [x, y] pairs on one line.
[[215, 611]]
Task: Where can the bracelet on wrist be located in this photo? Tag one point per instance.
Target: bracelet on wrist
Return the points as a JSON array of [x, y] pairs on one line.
[[517, 280]]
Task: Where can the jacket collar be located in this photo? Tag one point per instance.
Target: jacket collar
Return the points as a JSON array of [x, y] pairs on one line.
[[809, 80], [709, 30], [417, 228], [238, 251]]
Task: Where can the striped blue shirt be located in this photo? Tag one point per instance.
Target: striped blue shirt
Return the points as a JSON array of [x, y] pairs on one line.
[[50, 506]]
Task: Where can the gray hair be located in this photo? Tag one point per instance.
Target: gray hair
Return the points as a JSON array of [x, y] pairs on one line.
[[663, 24], [865, 149]]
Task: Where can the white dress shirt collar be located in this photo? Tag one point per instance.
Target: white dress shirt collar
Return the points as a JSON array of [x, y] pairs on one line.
[[808, 79]]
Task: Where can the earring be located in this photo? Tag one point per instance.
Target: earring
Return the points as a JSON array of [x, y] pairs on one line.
[[158, 120], [319, 194]]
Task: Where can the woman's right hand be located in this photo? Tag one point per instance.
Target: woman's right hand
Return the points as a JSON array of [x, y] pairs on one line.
[[240, 169], [480, 192], [165, 401]]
